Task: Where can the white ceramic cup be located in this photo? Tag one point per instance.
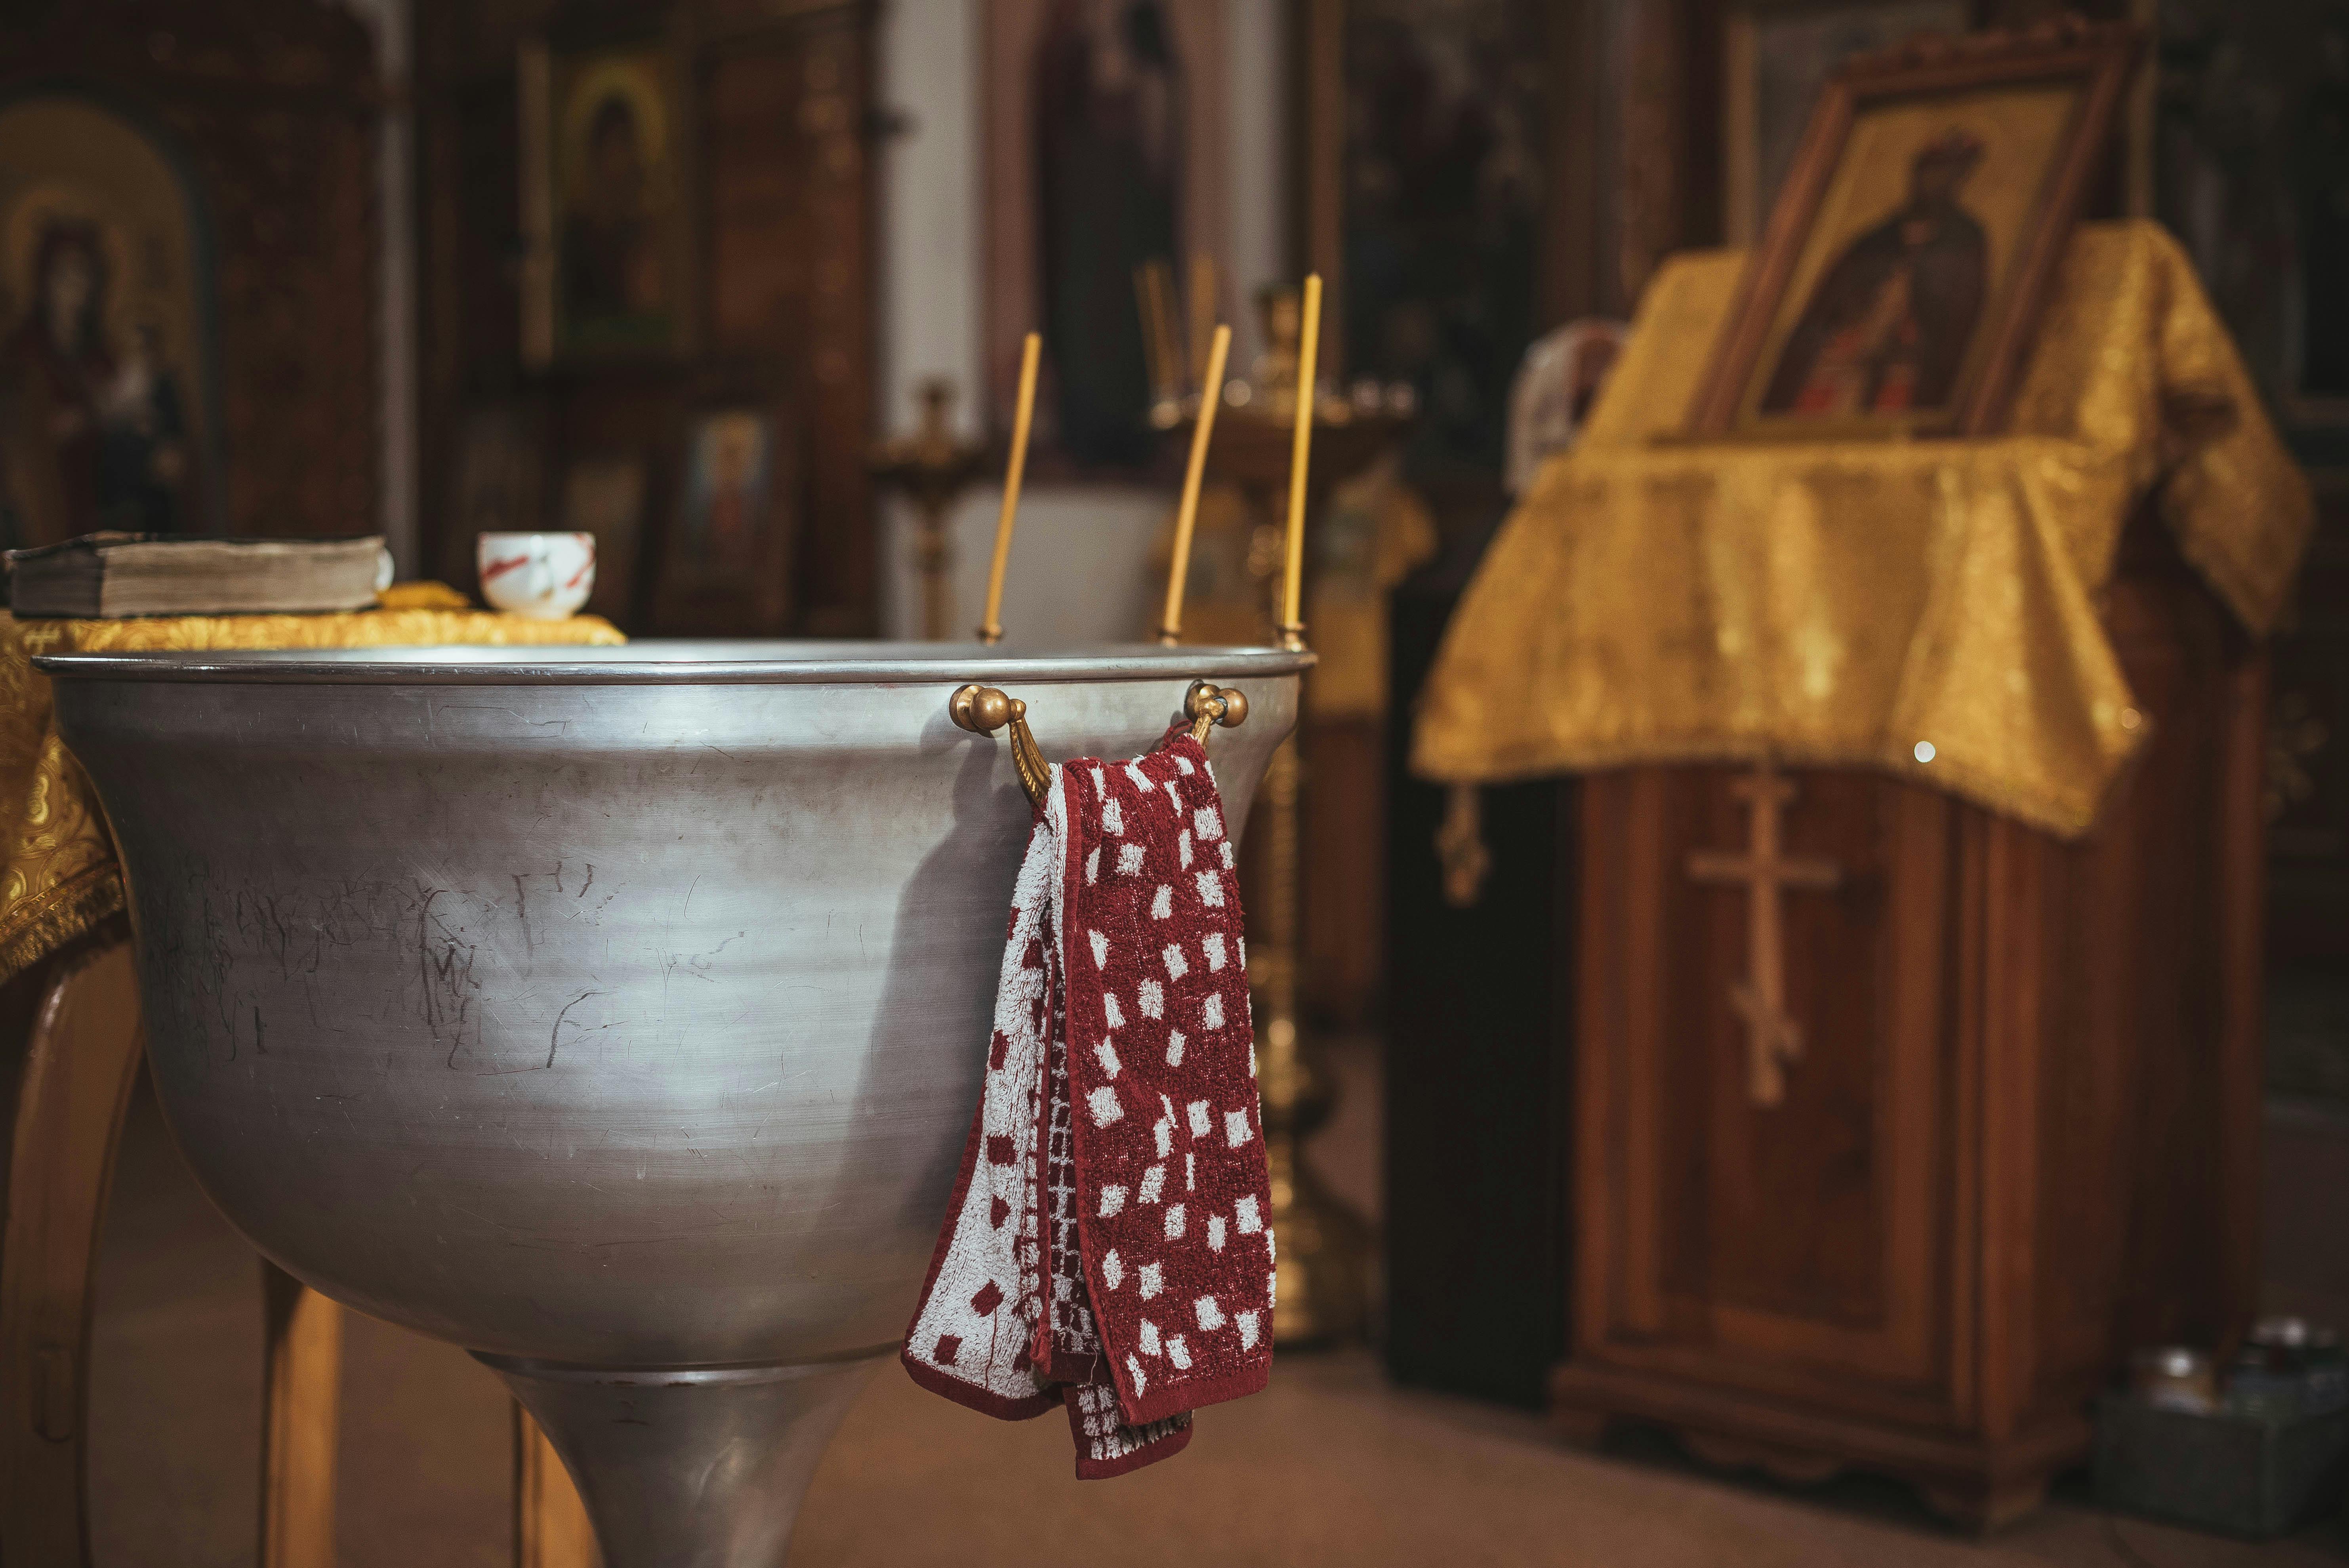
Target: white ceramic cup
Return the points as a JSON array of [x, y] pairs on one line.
[[541, 576]]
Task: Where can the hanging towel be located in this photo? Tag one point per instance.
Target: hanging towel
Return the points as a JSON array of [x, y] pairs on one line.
[[1107, 1247]]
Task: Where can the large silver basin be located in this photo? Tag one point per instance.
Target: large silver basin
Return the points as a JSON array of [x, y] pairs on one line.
[[617, 1014]]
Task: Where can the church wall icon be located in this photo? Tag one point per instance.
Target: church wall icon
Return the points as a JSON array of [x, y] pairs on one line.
[[108, 400], [606, 199]]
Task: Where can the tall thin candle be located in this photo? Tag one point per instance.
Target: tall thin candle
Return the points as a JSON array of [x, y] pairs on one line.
[[1211, 397], [990, 631], [1293, 628]]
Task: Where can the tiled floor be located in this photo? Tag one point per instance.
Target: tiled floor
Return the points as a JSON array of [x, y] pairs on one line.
[[1331, 1466]]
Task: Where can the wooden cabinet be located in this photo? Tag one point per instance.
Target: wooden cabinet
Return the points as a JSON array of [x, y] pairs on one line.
[[2019, 1137]]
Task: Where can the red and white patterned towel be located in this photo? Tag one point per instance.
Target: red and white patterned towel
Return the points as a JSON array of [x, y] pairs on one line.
[[1108, 1247]]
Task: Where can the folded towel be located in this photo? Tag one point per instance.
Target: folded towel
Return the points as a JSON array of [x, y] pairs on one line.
[[1107, 1247]]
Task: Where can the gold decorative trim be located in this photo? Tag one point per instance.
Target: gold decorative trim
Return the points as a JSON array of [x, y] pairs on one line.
[[1930, 610], [57, 916]]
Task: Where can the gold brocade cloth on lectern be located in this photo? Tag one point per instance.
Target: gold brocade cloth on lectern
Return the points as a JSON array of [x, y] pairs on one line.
[[61, 878], [1928, 607]]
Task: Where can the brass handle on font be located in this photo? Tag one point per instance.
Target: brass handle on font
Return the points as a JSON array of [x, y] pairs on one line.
[[984, 709], [1207, 705]]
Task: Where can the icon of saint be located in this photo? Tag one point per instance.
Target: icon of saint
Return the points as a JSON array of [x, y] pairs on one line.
[[611, 246], [1887, 328], [729, 500], [97, 433], [1109, 131]]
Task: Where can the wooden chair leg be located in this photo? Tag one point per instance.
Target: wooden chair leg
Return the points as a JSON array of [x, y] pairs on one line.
[[551, 1528], [70, 1054], [301, 1409], [71, 1081]]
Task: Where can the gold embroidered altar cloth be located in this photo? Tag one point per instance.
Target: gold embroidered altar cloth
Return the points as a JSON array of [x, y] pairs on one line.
[[1926, 607], [60, 877]]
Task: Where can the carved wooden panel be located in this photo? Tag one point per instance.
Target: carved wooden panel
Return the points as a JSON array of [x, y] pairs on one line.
[[2022, 1135], [1752, 1239]]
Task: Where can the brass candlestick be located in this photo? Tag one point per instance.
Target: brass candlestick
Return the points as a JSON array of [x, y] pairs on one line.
[[1323, 1283], [1322, 1268], [932, 469]]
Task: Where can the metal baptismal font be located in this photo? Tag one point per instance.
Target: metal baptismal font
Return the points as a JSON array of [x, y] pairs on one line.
[[612, 1013]]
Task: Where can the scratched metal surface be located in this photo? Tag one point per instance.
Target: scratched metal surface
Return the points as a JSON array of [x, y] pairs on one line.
[[633, 1023]]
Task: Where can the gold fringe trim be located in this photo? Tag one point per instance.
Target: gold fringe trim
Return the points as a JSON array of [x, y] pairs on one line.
[[60, 914]]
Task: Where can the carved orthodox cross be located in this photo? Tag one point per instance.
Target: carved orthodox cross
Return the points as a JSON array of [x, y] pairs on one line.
[[1773, 1038]]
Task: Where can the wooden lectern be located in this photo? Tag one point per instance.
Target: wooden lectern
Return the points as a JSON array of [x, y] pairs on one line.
[[1916, 1043], [1901, 1188]]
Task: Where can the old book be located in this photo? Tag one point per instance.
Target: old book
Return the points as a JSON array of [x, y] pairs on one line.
[[112, 575]]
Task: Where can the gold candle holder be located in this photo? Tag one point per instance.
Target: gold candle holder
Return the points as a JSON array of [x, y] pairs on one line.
[[931, 469], [1264, 446]]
